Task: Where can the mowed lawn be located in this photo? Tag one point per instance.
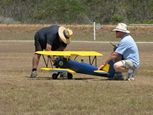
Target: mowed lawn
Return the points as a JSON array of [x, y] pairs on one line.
[[83, 95]]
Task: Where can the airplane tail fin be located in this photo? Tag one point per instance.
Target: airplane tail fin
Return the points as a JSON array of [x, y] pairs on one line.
[[109, 68], [106, 68]]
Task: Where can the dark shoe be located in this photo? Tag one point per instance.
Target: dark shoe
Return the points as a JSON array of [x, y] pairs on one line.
[[118, 76]]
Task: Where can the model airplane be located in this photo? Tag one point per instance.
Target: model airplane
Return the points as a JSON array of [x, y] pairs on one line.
[[66, 61]]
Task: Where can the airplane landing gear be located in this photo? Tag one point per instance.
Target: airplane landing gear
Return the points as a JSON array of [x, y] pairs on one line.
[[69, 76], [55, 75], [62, 75]]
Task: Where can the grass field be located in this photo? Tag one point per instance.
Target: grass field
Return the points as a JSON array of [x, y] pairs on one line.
[[83, 95], [81, 32]]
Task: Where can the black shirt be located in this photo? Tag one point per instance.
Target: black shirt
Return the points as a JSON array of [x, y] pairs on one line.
[[50, 35]]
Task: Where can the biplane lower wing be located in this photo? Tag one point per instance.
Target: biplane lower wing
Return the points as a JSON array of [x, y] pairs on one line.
[[58, 70]]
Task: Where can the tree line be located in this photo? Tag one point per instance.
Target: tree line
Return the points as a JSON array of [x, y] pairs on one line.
[[78, 11]]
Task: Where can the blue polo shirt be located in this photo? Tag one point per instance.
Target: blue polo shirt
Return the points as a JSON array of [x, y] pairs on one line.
[[128, 49]]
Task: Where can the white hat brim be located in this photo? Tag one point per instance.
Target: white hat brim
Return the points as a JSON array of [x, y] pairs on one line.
[[121, 30], [61, 35]]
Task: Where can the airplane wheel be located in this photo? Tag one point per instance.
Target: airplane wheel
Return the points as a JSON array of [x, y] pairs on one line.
[[69, 76], [55, 75]]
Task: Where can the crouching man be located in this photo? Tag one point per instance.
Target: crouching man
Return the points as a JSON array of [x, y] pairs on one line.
[[126, 54]]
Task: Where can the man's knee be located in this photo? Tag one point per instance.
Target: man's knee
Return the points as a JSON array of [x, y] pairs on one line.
[[117, 67]]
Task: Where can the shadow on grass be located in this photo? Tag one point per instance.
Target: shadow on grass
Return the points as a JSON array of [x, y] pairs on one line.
[[39, 78], [64, 78], [60, 78], [83, 78]]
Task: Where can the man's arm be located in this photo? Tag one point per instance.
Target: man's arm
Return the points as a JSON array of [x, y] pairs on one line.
[[48, 47], [114, 56], [51, 59]]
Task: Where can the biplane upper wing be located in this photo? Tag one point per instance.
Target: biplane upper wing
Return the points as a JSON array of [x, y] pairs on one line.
[[86, 53], [58, 70], [69, 53], [54, 53]]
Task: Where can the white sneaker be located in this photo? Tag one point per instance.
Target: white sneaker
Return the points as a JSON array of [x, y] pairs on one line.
[[131, 79], [33, 74], [130, 76]]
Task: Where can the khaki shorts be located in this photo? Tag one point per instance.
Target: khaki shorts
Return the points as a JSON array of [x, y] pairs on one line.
[[128, 64]]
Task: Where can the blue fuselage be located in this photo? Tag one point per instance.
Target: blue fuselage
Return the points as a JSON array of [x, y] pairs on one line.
[[80, 67]]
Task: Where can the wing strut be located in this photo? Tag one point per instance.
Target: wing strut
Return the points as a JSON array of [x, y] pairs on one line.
[[49, 59], [91, 61]]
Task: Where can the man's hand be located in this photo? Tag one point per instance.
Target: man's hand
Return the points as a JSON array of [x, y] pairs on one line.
[[48, 47], [101, 67]]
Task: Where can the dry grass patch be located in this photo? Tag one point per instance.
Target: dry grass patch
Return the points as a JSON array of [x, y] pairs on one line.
[[81, 32], [84, 95]]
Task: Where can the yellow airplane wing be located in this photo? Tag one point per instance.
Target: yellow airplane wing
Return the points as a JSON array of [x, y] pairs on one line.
[[54, 53], [58, 70], [69, 53], [85, 53]]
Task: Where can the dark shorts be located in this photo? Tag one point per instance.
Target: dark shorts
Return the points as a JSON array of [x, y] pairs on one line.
[[39, 42]]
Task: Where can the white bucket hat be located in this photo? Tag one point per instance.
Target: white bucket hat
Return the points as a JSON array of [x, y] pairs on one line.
[[65, 34], [122, 27]]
